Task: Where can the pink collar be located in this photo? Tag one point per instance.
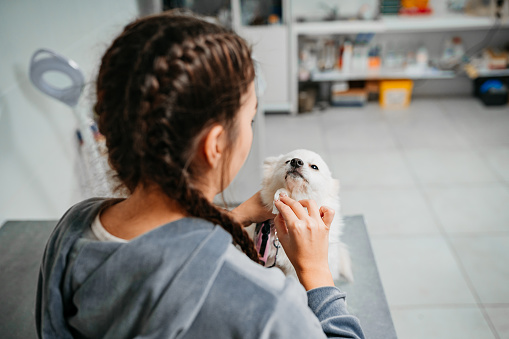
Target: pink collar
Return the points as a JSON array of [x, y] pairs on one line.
[[263, 241]]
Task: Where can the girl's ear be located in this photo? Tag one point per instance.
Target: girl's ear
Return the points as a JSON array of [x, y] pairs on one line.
[[214, 144], [269, 166]]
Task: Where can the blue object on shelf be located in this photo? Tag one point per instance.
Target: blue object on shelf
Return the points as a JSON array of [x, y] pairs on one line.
[[492, 86]]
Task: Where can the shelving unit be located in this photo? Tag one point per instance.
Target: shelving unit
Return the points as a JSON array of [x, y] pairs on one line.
[[277, 47], [385, 25]]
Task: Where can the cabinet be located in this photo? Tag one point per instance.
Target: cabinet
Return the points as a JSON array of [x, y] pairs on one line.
[[271, 47]]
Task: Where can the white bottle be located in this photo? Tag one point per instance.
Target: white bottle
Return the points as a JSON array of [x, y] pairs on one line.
[[347, 56], [458, 49], [422, 58], [447, 60]]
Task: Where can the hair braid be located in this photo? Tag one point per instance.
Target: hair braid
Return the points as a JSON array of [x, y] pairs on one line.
[[197, 205], [179, 75]]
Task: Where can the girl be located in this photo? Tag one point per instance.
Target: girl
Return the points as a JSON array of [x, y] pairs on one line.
[[176, 100]]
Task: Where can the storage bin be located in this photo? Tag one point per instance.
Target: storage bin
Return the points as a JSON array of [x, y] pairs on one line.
[[307, 99], [354, 97], [489, 96], [395, 93]]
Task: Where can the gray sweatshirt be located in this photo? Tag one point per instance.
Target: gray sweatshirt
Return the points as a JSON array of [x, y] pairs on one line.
[[184, 279]]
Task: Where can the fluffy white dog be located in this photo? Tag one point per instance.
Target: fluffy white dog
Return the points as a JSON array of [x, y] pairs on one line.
[[301, 174]]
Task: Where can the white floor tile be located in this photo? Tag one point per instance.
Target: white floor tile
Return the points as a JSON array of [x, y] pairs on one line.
[[442, 166], [371, 169], [471, 209], [498, 160], [429, 134], [420, 271], [499, 317], [345, 115], [485, 259], [437, 323], [371, 136], [390, 211], [421, 109], [424, 124], [482, 126], [467, 110], [495, 135]]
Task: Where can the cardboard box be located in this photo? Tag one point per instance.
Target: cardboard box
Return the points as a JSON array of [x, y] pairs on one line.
[[395, 93], [496, 59]]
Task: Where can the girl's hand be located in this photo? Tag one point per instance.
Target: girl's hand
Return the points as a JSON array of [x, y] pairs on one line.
[[252, 211], [304, 235]]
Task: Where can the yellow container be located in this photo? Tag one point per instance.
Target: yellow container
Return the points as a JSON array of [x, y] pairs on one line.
[[421, 4], [395, 93]]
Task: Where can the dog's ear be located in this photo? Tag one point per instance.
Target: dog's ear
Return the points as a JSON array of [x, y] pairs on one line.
[[269, 166]]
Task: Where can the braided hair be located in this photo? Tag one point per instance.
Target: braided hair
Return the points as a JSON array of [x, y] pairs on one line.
[[162, 82]]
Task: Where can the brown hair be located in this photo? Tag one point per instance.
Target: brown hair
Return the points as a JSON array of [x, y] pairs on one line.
[[162, 82]]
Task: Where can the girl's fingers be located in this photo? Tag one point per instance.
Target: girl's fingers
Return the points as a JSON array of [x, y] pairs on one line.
[[297, 208], [312, 207], [327, 215], [280, 224], [286, 216]]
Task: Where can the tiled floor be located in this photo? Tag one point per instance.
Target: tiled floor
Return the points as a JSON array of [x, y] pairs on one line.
[[432, 182]]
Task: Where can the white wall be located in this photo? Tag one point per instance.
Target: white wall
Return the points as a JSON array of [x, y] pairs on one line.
[[38, 177]]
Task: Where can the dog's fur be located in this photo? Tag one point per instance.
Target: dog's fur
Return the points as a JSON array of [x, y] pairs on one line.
[[306, 182]]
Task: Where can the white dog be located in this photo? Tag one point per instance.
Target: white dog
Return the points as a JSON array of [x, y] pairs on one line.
[[301, 174]]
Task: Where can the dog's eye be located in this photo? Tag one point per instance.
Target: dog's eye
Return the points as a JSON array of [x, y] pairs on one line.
[[287, 162], [314, 167]]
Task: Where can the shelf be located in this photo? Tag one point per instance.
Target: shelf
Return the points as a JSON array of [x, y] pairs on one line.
[[473, 72], [493, 72], [337, 75], [337, 27], [450, 22]]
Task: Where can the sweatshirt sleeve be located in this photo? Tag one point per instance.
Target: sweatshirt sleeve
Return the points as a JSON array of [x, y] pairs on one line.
[[324, 316], [329, 306]]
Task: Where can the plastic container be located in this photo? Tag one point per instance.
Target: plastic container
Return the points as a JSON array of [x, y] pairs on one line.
[[395, 93], [422, 58], [390, 6], [354, 97], [492, 91], [346, 64]]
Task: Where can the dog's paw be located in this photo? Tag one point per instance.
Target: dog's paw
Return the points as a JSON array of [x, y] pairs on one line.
[[276, 198]]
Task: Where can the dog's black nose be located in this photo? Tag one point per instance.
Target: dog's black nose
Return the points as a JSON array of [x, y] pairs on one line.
[[296, 163]]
